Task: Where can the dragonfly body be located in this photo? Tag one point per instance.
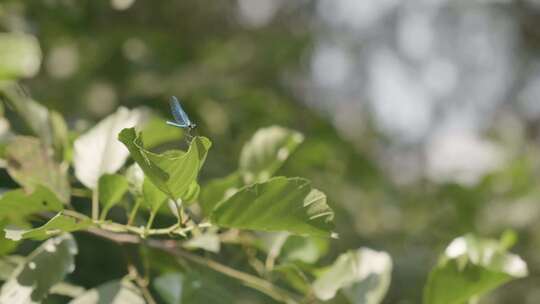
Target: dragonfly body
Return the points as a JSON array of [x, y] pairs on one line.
[[181, 120]]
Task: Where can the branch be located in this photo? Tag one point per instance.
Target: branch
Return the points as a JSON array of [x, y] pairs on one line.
[[171, 247]]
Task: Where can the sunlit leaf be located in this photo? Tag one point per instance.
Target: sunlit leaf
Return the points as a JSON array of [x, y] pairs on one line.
[[59, 224], [44, 268], [471, 267], [190, 288], [266, 152], [47, 125], [9, 264], [173, 172], [17, 204], [363, 275], [305, 249], [98, 151], [6, 245], [192, 193], [218, 189], [114, 292], [156, 132], [20, 55], [280, 204], [153, 197], [31, 163], [112, 188]]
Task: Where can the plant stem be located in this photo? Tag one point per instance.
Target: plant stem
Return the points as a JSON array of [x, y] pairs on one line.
[[95, 204], [134, 212], [254, 282], [143, 231], [151, 220], [80, 192], [171, 247], [104, 214]]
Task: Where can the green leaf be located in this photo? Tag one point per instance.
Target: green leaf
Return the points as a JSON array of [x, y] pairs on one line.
[[6, 245], [218, 189], [153, 197], [20, 55], [305, 249], [156, 132], [98, 152], [192, 193], [173, 172], [16, 204], [294, 276], [280, 204], [60, 136], [471, 267], [59, 224], [266, 152], [112, 188], [44, 268], [31, 163], [114, 292], [45, 124], [363, 275], [192, 288]]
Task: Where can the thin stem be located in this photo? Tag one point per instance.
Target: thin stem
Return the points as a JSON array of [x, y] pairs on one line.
[[171, 247], [141, 282], [179, 212], [151, 220], [143, 231], [104, 214], [74, 214], [146, 293], [254, 282], [80, 192], [95, 204], [134, 211]]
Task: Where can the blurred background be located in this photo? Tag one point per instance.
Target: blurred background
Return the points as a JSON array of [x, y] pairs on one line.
[[421, 117]]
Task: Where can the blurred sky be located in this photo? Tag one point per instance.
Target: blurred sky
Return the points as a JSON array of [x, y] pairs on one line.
[[432, 75]]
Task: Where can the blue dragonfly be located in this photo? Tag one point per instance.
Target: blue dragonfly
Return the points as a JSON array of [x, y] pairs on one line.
[[181, 120]]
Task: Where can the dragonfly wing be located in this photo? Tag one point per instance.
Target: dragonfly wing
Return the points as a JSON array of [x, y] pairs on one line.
[[178, 125], [178, 113]]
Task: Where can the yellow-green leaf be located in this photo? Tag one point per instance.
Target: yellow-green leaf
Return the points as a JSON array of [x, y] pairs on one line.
[[59, 224], [280, 204], [266, 152], [44, 267], [17, 204], [31, 163], [471, 267], [112, 188], [363, 275], [173, 172]]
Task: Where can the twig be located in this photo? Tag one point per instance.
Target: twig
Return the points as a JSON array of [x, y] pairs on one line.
[[171, 247], [254, 282]]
